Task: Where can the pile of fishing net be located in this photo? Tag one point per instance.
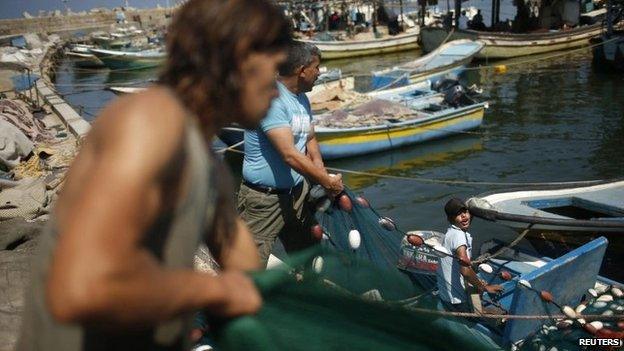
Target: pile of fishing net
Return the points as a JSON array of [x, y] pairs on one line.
[[371, 113], [564, 334]]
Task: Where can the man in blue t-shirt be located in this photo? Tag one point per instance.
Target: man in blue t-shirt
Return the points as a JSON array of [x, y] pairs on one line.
[[451, 273], [280, 155]]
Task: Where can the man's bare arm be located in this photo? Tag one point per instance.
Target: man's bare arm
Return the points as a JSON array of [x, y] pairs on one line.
[[283, 141], [470, 275], [100, 272], [314, 151]]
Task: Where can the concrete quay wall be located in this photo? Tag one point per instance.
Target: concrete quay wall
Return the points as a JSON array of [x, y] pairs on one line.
[[74, 22]]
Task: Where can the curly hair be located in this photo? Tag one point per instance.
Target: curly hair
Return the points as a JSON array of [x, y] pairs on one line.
[[206, 42]]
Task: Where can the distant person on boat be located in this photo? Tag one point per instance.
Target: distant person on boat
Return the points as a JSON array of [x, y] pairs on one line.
[[463, 21], [281, 156], [447, 22], [477, 22], [451, 273], [120, 16], [334, 21], [115, 265]]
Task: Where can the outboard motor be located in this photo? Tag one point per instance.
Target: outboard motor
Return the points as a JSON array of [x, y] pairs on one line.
[[453, 95], [444, 84]]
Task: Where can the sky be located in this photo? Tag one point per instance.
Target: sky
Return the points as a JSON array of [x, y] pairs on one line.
[[15, 8]]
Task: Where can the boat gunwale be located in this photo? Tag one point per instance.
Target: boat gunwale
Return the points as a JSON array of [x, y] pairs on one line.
[[507, 36], [436, 53], [114, 54], [348, 45]]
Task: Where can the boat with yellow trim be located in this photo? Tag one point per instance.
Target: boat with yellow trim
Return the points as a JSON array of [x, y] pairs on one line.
[[396, 118]]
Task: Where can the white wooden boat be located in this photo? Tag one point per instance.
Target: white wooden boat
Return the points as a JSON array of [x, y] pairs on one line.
[[353, 48], [589, 208], [499, 45], [115, 59]]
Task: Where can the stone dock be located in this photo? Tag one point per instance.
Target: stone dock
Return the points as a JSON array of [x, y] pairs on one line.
[[54, 130]]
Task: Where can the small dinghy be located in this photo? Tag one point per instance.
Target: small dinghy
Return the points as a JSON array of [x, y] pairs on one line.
[[596, 208]]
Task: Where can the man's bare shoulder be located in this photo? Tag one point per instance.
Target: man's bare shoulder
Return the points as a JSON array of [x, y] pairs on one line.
[[153, 119]]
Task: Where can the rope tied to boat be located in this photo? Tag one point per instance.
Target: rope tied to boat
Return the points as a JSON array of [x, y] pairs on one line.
[[511, 316], [486, 256], [463, 182]]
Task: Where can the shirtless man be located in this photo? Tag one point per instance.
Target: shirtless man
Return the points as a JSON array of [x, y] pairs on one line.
[[114, 269]]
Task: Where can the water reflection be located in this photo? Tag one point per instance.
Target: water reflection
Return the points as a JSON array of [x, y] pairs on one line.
[[404, 161]]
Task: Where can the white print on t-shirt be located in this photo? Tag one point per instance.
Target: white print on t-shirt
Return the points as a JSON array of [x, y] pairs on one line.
[[300, 124]]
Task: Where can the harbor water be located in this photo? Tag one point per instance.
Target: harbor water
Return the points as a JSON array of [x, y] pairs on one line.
[[550, 120]]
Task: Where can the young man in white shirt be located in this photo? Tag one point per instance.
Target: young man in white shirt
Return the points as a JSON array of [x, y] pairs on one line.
[[452, 273]]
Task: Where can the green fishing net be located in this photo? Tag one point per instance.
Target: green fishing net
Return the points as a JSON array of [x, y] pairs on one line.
[[335, 302]]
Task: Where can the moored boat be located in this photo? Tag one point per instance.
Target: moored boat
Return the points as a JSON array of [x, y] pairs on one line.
[[585, 208], [395, 118], [449, 58], [115, 59], [335, 49], [503, 45], [525, 277]]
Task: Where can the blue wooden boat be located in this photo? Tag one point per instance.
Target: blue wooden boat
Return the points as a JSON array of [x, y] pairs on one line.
[[579, 267], [595, 208], [448, 59]]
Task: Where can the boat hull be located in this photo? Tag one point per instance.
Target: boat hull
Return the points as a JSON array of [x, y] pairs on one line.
[[508, 45], [85, 60], [338, 144], [611, 53], [344, 49], [128, 60]]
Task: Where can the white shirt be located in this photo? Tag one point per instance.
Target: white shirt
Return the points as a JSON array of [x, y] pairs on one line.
[[450, 281]]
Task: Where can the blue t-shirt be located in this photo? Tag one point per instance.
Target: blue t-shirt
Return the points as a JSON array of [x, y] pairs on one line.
[[263, 165], [450, 281]]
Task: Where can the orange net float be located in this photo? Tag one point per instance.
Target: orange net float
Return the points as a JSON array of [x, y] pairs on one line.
[[546, 296], [415, 240], [317, 232], [195, 334], [344, 202], [505, 275]]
